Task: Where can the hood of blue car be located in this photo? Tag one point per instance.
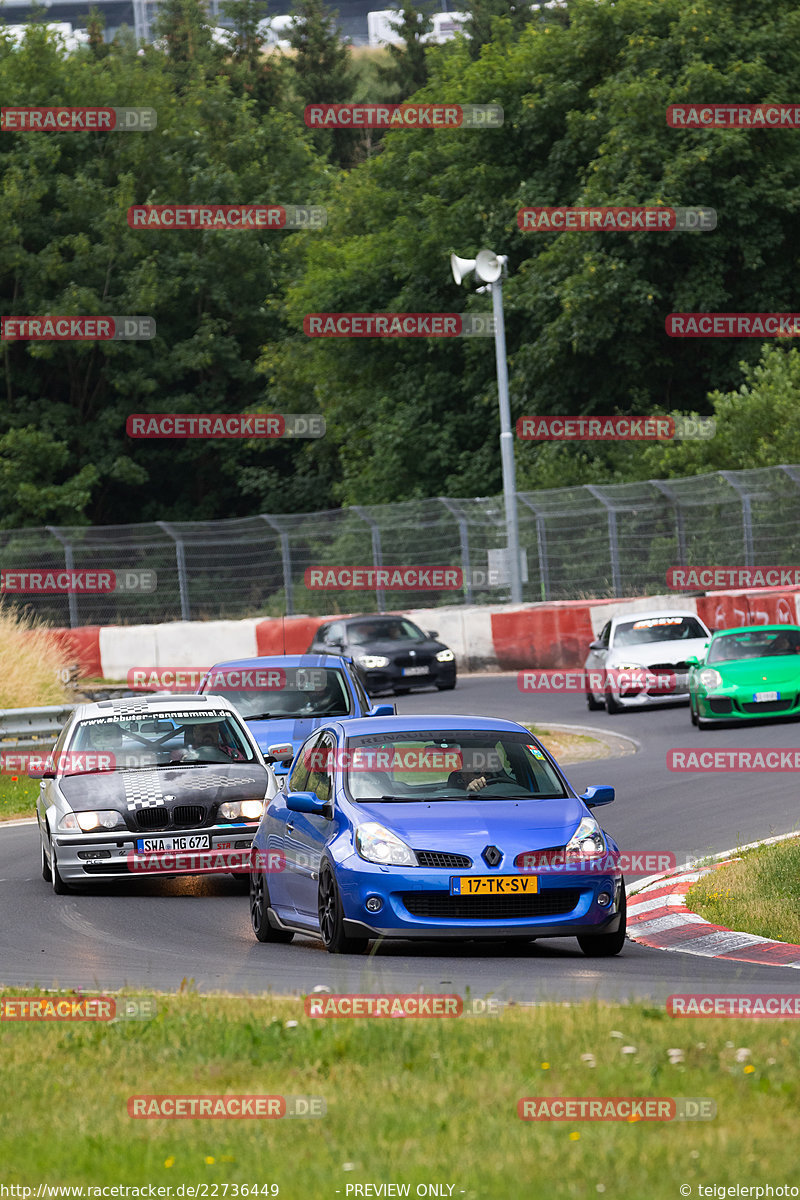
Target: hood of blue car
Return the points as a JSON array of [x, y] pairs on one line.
[[284, 729], [466, 826]]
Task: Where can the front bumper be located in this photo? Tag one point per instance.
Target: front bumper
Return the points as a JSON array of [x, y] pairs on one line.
[[113, 854], [738, 705], [388, 678], [566, 904]]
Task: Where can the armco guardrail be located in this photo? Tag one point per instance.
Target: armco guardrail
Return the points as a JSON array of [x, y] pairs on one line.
[[32, 728]]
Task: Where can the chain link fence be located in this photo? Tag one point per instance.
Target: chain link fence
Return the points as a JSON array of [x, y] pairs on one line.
[[577, 542]]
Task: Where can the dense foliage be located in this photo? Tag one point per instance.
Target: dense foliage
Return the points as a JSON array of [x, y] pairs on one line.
[[584, 94]]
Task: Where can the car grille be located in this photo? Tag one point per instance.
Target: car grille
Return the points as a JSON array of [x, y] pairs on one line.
[[766, 706], [520, 860], [722, 705], [419, 660], [184, 816], [152, 818], [552, 903], [102, 868], [439, 858], [678, 666]]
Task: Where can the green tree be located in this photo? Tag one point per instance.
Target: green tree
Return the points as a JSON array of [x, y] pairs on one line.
[[407, 70], [66, 248], [184, 30], [322, 70], [481, 27], [252, 71]]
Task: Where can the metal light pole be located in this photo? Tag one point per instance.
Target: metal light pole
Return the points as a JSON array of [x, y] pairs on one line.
[[488, 267]]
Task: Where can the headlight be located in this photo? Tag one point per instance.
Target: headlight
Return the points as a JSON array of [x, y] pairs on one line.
[[87, 821], [445, 656], [587, 841], [251, 810], [378, 844], [710, 678], [371, 662]]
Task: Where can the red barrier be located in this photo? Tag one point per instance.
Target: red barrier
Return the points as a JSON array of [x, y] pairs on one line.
[[759, 606], [83, 646], [551, 635], [290, 635]]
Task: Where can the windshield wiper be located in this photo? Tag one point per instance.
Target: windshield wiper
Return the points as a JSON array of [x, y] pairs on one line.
[[265, 716]]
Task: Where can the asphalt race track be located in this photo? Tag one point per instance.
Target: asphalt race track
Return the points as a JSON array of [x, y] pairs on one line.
[[154, 934]]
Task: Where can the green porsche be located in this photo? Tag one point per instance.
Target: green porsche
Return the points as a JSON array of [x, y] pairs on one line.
[[746, 674]]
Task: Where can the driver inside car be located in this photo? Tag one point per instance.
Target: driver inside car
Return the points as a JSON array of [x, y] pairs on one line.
[[472, 779]]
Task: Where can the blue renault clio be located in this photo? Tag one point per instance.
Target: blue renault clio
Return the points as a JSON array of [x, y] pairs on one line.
[[433, 827]]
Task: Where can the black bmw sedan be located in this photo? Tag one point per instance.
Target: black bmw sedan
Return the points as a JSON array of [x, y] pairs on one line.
[[390, 653]]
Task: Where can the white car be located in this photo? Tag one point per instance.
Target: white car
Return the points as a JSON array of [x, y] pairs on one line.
[[641, 659]]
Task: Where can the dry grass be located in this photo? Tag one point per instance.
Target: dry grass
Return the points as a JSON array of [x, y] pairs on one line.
[[30, 657]]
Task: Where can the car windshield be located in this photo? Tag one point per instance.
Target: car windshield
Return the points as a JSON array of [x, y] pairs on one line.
[[758, 643], [448, 764], [118, 743], [292, 692], [396, 630], [657, 629]]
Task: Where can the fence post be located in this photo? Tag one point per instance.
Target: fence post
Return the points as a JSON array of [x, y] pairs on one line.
[[180, 559], [541, 546], [463, 538], [613, 541], [747, 515], [286, 560], [69, 563], [377, 552], [680, 525]]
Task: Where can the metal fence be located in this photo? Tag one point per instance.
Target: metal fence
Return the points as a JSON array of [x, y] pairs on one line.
[[577, 542]]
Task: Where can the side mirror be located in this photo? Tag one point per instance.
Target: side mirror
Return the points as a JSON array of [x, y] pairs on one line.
[[383, 710], [38, 773], [338, 642], [594, 796], [307, 802], [693, 661], [596, 646], [433, 633]]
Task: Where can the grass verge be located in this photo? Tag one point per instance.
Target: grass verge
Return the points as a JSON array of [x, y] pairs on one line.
[[569, 748], [409, 1101], [759, 894], [17, 797]]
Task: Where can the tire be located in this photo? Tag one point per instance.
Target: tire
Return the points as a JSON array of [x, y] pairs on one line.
[[59, 886], [242, 879], [612, 706], [259, 919], [46, 874], [445, 687], [704, 723], [401, 691], [604, 945], [692, 713], [331, 917], [592, 703]]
